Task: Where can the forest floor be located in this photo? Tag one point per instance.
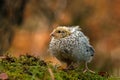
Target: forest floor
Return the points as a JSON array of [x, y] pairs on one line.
[[31, 68]]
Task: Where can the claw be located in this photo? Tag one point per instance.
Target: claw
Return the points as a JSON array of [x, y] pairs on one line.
[[87, 69]]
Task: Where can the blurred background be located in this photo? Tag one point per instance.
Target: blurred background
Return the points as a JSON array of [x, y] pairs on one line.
[[25, 26]]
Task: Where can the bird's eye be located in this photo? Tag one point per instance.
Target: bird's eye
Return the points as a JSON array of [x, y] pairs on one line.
[[59, 31]]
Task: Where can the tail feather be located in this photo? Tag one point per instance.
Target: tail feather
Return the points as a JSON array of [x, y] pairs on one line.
[[92, 51]]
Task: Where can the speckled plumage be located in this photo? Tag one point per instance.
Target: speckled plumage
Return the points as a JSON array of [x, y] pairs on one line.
[[74, 47]]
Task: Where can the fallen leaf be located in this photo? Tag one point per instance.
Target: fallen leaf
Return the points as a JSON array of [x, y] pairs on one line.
[[3, 76]]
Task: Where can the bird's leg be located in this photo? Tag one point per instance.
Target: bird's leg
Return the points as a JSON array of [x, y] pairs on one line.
[[87, 69], [70, 66]]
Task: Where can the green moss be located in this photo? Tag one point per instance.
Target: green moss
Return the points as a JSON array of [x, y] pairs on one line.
[[113, 78], [31, 68]]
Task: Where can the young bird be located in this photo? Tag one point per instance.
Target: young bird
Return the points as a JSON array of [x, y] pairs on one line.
[[70, 45]]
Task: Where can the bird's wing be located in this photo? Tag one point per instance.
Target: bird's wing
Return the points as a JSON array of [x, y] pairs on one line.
[[88, 49]]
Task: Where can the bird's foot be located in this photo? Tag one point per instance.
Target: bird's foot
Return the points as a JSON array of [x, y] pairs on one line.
[[88, 70], [71, 67]]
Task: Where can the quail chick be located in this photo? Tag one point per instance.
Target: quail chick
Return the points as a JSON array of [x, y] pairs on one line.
[[70, 45]]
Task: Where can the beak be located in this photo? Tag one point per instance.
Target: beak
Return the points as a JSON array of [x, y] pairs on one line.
[[51, 34]]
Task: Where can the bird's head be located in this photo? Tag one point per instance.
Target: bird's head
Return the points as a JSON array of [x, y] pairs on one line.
[[63, 31], [60, 32]]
